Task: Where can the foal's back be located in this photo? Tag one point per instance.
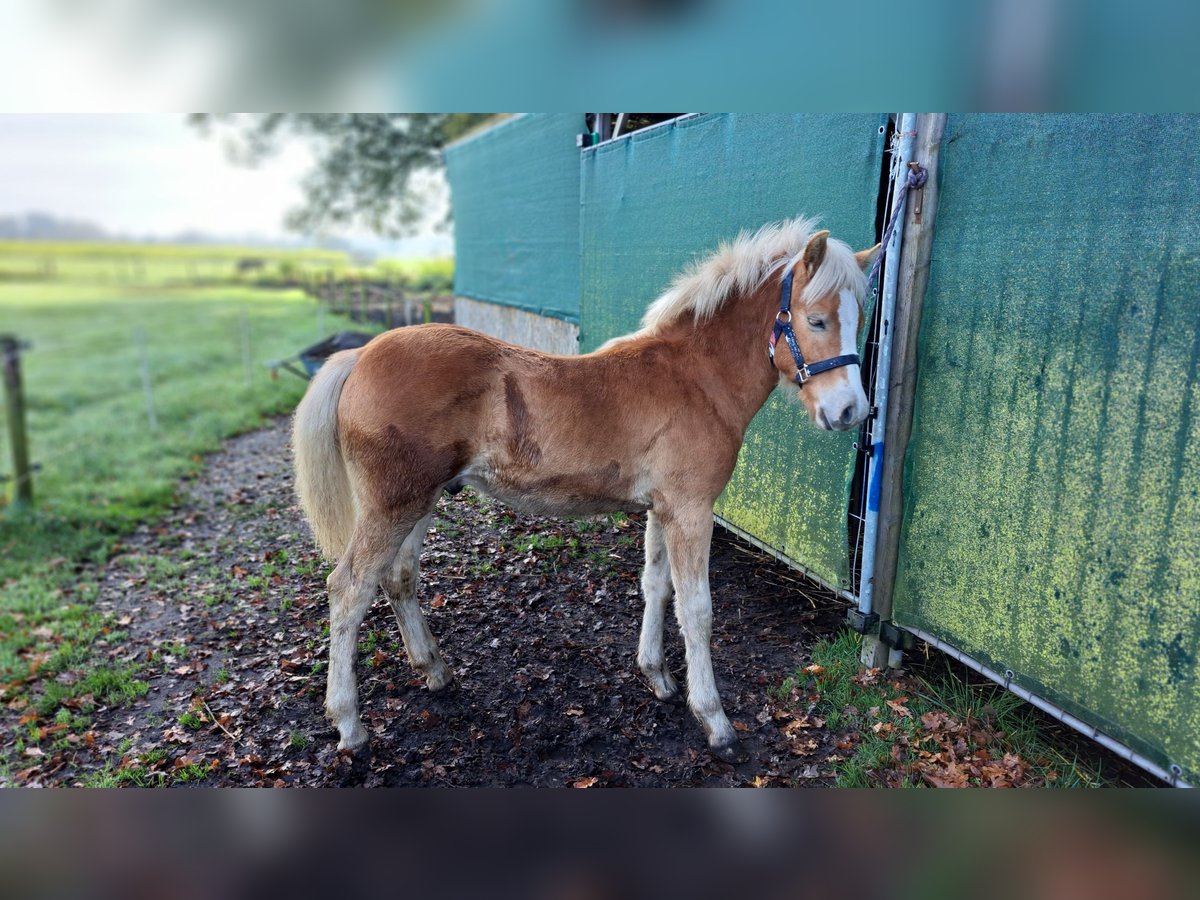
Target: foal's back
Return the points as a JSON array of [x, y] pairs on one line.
[[436, 404]]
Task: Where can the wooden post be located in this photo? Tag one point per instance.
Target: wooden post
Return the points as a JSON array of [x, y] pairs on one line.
[[14, 402], [916, 247]]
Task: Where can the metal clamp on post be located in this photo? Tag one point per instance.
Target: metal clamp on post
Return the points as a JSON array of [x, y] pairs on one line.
[[896, 637], [862, 622]]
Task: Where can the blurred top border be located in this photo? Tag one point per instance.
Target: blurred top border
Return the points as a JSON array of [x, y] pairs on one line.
[[547, 55]]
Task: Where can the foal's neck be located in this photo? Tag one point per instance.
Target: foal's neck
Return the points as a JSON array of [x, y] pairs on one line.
[[731, 349]]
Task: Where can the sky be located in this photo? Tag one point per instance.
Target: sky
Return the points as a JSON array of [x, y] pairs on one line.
[[152, 174]]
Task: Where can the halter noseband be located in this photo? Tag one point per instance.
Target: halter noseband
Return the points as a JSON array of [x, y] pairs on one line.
[[783, 325]]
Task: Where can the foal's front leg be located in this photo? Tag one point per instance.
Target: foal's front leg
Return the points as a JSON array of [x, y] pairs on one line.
[[689, 534]]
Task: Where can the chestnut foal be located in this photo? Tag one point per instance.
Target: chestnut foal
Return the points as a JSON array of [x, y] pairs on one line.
[[651, 421]]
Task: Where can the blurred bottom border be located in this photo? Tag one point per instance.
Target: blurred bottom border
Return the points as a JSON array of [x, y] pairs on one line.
[[588, 846]]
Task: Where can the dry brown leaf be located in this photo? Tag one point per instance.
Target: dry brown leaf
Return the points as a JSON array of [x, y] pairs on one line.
[[898, 707], [588, 782]]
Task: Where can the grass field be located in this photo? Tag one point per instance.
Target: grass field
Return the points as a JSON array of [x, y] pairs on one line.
[[102, 464], [120, 263], [165, 264], [103, 467]]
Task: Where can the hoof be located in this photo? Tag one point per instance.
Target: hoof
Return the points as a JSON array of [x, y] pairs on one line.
[[354, 740], [731, 753], [442, 683], [666, 695], [662, 685]]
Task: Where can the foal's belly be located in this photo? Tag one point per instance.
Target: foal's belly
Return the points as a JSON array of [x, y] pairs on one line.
[[541, 493]]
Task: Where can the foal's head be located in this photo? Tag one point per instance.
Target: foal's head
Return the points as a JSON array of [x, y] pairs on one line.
[[828, 289]]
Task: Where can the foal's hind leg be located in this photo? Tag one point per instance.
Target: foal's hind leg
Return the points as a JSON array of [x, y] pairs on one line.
[[400, 585], [352, 586], [656, 587]]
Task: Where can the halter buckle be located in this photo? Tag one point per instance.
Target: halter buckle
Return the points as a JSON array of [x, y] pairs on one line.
[[802, 375]]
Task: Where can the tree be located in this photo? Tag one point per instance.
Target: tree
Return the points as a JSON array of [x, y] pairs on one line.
[[369, 167]]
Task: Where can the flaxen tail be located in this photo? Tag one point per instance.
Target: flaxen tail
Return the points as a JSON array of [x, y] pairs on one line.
[[322, 481]]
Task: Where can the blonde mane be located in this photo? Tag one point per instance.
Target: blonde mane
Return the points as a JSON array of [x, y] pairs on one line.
[[743, 265]]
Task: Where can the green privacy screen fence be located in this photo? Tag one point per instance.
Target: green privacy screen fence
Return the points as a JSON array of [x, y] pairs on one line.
[[516, 214], [1052, 496], [654, 201]]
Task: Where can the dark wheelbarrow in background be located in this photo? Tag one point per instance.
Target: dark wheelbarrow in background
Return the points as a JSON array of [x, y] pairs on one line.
[[305, 363]]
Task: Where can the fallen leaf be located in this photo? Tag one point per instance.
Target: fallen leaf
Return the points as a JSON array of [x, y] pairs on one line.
[[588, 782], [898, 707], [934, 720]]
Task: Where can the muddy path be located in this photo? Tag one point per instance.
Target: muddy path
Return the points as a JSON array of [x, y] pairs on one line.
[[223, 607]]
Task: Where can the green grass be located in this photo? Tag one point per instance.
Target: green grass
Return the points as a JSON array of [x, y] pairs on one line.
[[103, 469], [877, 714], [191, 721], [114, 263], [131, 263], [102, 466]]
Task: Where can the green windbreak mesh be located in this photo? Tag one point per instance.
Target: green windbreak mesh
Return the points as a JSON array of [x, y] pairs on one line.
[[515, 190], [660, 198], [1052, 520]]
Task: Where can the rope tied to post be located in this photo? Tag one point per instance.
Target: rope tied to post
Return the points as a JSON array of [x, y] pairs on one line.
[[915, 179]]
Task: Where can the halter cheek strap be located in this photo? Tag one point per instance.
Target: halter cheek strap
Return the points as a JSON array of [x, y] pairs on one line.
[[783, 325]]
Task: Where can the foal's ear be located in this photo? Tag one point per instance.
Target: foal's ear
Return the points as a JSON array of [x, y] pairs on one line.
[[814, 252], [864, 257]]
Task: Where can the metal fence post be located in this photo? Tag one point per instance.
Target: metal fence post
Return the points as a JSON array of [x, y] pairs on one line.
[[147, 385], [247, 361], [911, 278], [15, 404]]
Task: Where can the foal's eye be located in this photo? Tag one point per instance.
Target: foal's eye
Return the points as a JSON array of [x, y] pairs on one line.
[[816, 324]]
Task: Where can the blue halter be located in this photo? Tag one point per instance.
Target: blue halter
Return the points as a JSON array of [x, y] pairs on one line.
[[783, 325]]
